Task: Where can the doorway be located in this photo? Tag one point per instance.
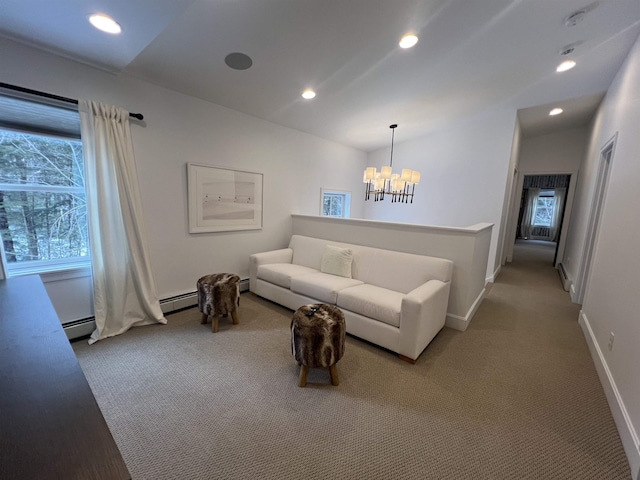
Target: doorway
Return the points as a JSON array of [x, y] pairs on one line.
[[543, 202], [606, 156]]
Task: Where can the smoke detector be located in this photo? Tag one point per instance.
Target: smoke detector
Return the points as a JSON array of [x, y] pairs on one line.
[[575, 18], [579, 15]]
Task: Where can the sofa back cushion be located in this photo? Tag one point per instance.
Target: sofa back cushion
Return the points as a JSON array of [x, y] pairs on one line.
[[307, 251], [398, 271]]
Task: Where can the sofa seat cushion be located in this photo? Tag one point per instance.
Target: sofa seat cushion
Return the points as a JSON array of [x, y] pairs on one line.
[[322, 286], [375, 302], [281, 273]]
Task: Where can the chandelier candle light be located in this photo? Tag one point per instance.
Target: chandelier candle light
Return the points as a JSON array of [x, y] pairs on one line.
[[399, 186]]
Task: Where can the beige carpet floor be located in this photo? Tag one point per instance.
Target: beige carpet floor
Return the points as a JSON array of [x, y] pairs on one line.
[[516, 396]]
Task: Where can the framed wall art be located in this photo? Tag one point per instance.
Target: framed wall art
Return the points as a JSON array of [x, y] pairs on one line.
[[223, 200]]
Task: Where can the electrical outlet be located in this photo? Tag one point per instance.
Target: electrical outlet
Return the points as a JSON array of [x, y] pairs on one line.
[[611, 338]]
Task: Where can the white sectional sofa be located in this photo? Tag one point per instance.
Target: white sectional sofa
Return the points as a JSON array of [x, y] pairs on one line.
[[392, 299]]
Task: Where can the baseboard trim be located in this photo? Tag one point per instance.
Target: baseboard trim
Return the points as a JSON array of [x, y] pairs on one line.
[[625, 428], [492, 278], [461, 323]]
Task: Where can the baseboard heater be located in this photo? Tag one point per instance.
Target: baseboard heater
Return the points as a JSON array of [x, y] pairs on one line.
[[190, 299], [79, 328], [566, 283], [86, 326]]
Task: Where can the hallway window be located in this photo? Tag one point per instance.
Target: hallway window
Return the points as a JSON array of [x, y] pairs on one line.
[[545, 206], [335, 203], [43, 214]]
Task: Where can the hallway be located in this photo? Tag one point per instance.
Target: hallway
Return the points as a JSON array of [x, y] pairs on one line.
[[529, 331]]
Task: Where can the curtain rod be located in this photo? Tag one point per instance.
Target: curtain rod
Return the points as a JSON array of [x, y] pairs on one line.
[[139, 116]]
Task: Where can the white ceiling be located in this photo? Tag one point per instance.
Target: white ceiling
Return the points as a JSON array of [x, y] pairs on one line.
[[473, 55]]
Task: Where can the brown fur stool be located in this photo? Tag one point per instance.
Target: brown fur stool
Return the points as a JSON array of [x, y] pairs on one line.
[[218, 294], [317, 339]]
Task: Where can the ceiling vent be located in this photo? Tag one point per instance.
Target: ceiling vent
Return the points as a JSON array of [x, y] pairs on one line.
[[566, 50], [569, 49]]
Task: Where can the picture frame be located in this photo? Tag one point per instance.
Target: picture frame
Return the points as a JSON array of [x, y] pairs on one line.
[[223, 199]]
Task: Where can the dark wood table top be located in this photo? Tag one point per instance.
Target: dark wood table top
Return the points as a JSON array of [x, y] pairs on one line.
[[50, 424]]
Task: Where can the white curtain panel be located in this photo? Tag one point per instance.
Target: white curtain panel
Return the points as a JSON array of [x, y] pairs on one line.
[[554, 231], [124, 289], [529, 209]]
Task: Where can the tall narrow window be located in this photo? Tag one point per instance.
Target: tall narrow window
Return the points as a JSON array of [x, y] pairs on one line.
[[335, 203], [43, 214], [545, 206]]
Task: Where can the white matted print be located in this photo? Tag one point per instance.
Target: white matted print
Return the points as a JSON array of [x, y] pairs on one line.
[[222, 200]]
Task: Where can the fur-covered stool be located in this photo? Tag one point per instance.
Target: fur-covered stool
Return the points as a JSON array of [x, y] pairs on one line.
[[317, 339], [218, 294]]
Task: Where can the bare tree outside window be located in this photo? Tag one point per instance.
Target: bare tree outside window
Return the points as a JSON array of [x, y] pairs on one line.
[[333, 205], [43, 214], [545, 205]]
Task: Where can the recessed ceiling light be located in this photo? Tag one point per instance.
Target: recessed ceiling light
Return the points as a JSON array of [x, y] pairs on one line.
[[308, 94], [556, 111], [408, 41], [105, 23], [566, 65]]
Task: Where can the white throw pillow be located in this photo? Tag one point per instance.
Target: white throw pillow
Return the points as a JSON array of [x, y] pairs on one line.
[[336, 261]]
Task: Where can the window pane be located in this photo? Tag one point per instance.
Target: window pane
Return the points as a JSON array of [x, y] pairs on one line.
[[43, 226], [39, 225], [336, 205], [326, 204], [40, 160], [333, 205], [544, 211]]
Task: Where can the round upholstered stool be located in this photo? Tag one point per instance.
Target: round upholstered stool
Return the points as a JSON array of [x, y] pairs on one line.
[[317, 339], [218, 294]]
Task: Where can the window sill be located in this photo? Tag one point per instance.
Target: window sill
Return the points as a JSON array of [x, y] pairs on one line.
[[54, 273]]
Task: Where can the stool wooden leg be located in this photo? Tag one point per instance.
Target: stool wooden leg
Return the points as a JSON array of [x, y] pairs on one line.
[[333, 371], [214, 326], [302, 380], [204, 319], [234, 315]]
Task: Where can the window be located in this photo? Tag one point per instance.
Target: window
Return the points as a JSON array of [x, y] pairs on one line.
[[335, 203], [545, 205], [43, 213]]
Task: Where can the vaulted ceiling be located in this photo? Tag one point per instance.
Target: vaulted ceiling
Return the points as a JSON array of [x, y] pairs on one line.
[[471, 56]]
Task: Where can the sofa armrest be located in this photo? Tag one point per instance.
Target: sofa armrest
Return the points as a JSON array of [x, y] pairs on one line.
[[284, 255], [423, 314]]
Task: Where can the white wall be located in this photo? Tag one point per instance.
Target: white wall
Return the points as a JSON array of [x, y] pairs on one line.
[[178, 129], [464, 176], [554, 153], [611, 302], [506, 238]]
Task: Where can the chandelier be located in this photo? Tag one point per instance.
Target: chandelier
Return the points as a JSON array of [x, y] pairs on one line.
[[398, 186]]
